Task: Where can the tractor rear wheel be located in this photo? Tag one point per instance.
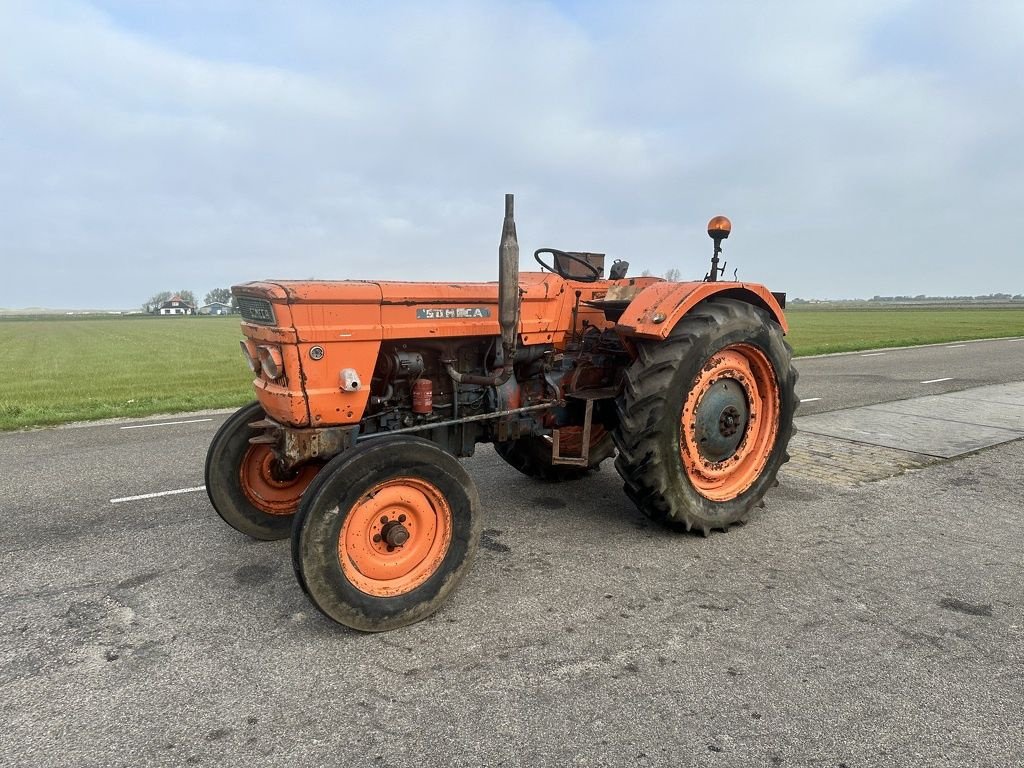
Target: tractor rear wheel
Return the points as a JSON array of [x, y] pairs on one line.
[[532, 455], [245, 484], [385, 533], [705, 417]]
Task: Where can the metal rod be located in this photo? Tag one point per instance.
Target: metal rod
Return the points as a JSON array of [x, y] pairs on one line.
[[575, 314], [713, 274], [453, 422]]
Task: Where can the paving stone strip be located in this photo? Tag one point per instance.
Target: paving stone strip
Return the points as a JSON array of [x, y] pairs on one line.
[[846, 463]]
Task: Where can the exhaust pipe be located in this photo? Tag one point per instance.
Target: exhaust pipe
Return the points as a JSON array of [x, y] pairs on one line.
[[508, 282], [508, 304]]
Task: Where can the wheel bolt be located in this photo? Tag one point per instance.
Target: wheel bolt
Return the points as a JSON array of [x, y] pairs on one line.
[[401, 518], [377, 538], [391, 548], [383, 519]]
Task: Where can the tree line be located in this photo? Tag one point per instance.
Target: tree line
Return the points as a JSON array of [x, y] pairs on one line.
[[221, 295], [919, 299]]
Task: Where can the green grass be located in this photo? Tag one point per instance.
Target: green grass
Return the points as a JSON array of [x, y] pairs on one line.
[[817, 331], [60, 369]]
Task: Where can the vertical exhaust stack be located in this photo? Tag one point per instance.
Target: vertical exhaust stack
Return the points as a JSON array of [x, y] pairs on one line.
[[508, 284], [508, 307]]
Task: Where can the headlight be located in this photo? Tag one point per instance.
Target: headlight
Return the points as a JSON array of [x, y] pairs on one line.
[[254, 364], [271, 361]]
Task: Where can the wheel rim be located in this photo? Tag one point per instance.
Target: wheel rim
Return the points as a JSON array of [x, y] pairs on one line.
[[265, 487], [729, 422], [395, 537]]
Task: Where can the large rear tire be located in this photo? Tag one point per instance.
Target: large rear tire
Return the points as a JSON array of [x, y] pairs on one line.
[[705, 417], [245, 484], [385, 533]]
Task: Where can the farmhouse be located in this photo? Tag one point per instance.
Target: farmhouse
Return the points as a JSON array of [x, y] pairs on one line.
[[176, 306], [215, 308]]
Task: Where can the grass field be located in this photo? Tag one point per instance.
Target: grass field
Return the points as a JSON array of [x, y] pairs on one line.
[[59, 370], [818, 331]]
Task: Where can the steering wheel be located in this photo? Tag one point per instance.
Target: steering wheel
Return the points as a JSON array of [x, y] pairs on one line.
[[591, 278]]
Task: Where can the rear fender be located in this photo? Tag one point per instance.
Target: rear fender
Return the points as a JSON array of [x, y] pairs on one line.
[[656, 310]]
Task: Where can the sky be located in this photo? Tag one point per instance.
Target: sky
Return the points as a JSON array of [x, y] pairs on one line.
[[860, 148]]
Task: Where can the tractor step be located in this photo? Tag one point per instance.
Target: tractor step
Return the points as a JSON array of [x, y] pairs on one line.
[[595, 393], [583, 460]]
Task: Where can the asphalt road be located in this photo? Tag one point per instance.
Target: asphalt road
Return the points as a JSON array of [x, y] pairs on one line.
[[832, 382], [874, 625]]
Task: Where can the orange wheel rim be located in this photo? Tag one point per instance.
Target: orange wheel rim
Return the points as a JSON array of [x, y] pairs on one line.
[[266, 487], [395, 537], [729, 422]]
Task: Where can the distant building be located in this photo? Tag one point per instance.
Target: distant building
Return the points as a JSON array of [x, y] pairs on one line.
[[176, 306], [215, 308]]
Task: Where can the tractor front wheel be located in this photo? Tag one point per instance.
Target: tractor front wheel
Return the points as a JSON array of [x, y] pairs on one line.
[[245, 484], [385, 533], [706, 415]]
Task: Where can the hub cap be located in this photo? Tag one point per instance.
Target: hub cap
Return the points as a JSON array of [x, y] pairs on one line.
[[721, 420]]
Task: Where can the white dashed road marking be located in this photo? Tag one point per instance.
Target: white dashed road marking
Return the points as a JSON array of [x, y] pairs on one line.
[[159, 493], [164, 424], [936, 381], [809, 399], [956, 346]]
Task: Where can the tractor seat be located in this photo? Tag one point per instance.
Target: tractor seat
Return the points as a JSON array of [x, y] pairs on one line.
[[612, 308]]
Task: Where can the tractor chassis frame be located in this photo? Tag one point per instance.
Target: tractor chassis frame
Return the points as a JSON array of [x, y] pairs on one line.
[[295, 446]]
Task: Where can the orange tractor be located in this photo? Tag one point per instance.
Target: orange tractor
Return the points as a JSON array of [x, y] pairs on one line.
[[367, 392]]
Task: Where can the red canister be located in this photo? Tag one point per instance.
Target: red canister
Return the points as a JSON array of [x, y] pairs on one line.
[[423, 396]]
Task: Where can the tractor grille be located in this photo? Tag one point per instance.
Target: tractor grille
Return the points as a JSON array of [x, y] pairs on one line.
[[256, 310]]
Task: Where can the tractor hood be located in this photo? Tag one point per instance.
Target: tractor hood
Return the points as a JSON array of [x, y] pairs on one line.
[[532, 284], [317, 311]]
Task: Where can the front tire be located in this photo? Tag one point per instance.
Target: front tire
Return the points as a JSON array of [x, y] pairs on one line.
[[706, 416], [244, 484], [385, 533]]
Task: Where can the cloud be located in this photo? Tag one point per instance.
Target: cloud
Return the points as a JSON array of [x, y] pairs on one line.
[[155, 146]]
